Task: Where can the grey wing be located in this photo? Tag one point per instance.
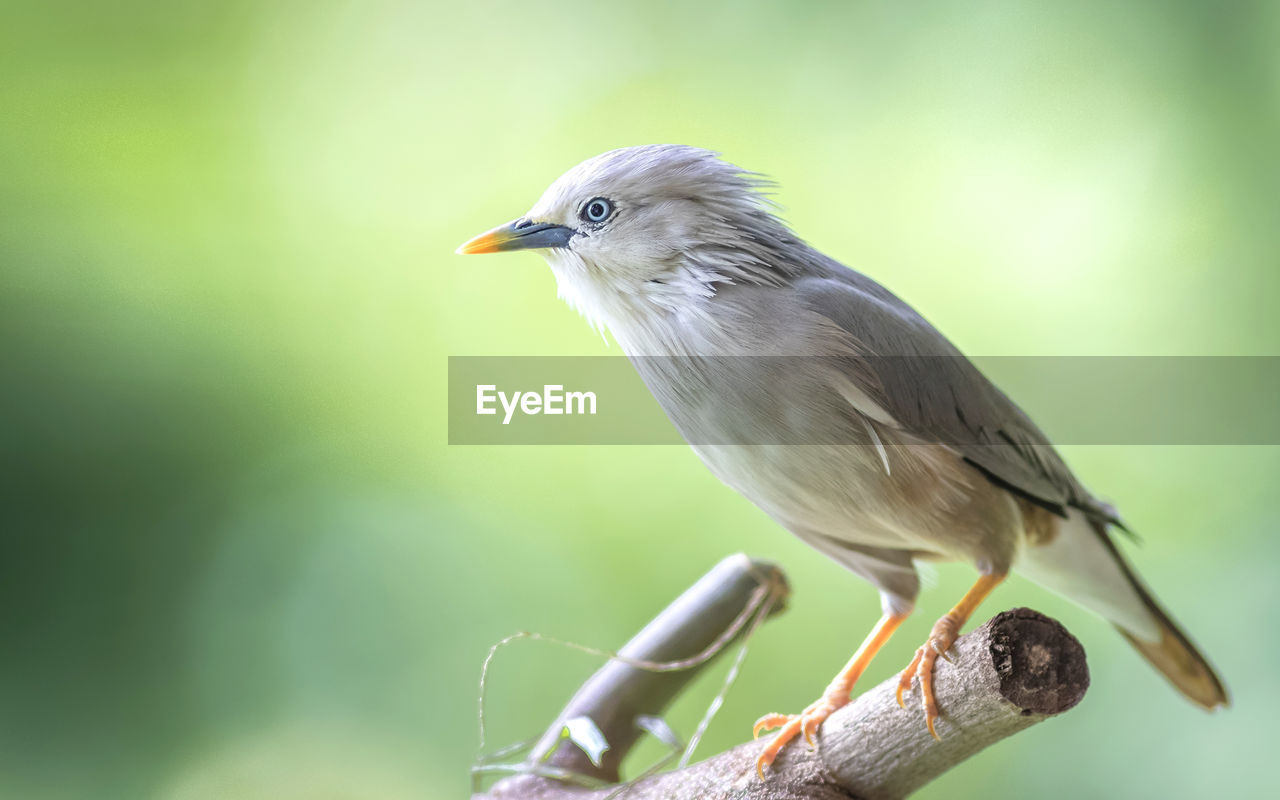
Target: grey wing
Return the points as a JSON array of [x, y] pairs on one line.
[[932, 391]]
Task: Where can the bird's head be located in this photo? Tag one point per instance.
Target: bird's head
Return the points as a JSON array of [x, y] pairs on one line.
[[657, 225]]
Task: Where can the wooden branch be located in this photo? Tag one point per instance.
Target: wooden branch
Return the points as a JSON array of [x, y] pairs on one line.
[[699, 624], [1017, 669]]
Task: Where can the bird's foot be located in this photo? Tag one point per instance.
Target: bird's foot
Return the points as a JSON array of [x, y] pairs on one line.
[[941, 638], [836, 695], [793, 725]]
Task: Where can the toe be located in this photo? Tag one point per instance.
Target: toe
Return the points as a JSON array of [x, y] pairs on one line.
[[771, 750], [927, 699], [809, 726], [904, 680]]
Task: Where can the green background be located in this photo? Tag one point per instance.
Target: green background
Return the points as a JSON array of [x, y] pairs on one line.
[[239, 558]]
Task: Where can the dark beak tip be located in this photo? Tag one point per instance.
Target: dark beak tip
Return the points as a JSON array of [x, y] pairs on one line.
[[520, 234]]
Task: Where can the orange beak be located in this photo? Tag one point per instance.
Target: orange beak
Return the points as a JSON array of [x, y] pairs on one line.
[[522, 234]]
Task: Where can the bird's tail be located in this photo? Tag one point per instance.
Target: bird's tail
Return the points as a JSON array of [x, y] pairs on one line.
[[1083, 564]]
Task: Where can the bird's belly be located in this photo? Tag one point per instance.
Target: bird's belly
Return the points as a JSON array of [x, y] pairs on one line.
[[844, 491], [776, 431]]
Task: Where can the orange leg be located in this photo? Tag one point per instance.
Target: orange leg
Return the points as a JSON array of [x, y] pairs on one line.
[[944, 634], [835, 696]]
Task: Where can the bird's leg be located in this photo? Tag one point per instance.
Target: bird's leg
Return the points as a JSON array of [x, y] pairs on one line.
[[835, 696], [944, 634]]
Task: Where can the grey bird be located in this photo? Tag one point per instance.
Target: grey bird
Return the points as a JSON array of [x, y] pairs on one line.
[[832, 405]]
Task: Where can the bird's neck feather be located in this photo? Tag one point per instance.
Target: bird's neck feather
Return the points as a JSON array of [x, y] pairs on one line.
[[646, 317]]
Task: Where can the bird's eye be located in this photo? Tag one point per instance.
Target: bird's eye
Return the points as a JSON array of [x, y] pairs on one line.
[[597, 210]]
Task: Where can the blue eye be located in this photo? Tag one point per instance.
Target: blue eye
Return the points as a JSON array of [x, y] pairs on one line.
[[596, 210]]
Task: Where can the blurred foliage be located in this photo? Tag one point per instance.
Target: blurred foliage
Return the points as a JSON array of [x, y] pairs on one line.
[[237, 558]]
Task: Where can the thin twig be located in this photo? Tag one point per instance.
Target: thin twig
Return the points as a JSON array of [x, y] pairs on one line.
[[748, 590]]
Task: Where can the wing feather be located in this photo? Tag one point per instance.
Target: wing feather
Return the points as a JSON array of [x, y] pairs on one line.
[[928, 387]]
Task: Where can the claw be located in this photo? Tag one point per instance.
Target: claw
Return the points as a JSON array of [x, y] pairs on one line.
[[904, 682], [805, 723], [771, 750], [808, 727], [768, 722], [923, 666], [944, 634], [944, 651], [808, 721]]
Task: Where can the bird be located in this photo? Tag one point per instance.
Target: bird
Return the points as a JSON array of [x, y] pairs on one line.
[[832, 405]]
